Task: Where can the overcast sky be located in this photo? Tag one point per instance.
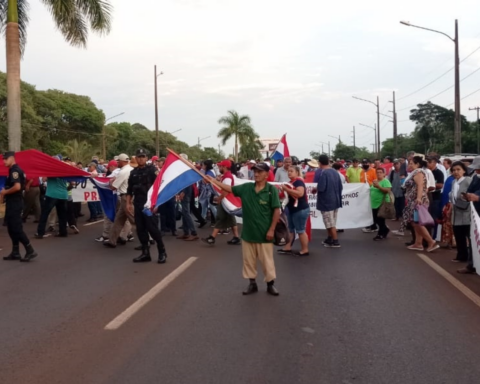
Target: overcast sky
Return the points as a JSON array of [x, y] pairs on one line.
[[292, 66]]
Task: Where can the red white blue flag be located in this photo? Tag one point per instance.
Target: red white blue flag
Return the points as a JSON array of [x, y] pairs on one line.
[[175, 176], [282, 149]]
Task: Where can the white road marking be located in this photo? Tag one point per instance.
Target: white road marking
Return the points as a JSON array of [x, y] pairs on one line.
[[147, 297], [452, 280], [95, 222]]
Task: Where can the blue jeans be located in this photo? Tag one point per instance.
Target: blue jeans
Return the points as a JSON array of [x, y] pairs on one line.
[[205, 206], [297, 221], [95, 208], [187, 221]]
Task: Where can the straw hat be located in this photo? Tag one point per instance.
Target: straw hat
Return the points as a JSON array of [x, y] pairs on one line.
[[313, 163]]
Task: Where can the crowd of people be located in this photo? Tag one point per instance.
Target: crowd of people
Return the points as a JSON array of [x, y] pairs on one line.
[[431, 199]]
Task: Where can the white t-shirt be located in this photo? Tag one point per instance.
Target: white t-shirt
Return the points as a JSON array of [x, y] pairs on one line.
[[121, 181], [430, 178], [342, 177], [281, 176]]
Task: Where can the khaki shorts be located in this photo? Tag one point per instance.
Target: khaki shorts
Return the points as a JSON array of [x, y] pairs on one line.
[[330, 219]]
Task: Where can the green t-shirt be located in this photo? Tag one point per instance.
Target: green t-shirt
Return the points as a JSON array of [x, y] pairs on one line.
[[257, 209], [376, 195], [353, 174], [57, 188]]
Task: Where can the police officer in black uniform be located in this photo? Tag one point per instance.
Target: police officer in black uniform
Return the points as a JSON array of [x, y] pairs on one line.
[[13, 196], [139, 182]]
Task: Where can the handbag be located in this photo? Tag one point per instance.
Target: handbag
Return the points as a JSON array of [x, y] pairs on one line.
[[424, 217], [387, 209]]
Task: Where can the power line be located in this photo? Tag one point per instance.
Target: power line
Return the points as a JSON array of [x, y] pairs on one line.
[[438, 94], [439, 77]]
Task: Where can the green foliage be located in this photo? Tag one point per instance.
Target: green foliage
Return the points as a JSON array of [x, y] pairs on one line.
[[239, 128], [57, 122], [348, 152]]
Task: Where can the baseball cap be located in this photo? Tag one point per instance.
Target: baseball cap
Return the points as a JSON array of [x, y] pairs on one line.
[[225, 163], [8, 154], [141, 152], [366, 161], [112, 163], [261, 167], [252, 162], [154, 158], [123, 157]]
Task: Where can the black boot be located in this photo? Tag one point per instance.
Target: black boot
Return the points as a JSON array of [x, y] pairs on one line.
[[31, 254], [271, 289], [162, 257], [15, 254], [144, 257], [252, 288]]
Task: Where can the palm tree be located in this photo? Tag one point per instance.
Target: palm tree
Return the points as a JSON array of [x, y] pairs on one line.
[[71, 18], [79, 151], [238, 127]]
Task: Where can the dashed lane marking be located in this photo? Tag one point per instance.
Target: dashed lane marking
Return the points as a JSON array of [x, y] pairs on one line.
[[95, 222]]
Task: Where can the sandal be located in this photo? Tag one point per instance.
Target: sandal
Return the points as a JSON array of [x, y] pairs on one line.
[[434, 248], [414, 248], [298, 253]]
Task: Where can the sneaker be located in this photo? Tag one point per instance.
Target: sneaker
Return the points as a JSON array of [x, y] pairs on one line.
[[202, 224], [225, 232], [101, 239], [378, 238], [74, 229], [210, 240], [328, 240], [234, 241], [130, 238], [333, 244], [398, 233], [368, 230]]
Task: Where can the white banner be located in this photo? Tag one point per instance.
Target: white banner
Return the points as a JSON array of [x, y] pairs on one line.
[[475, 238], [85, 191], [355, 213]]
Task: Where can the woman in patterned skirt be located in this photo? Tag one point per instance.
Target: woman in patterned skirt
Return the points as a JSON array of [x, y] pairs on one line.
[[416, 194]]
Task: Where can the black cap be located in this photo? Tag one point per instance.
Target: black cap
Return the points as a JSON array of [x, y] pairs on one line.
[[261, 167], [366, 161], [140, 152], [8, 154]]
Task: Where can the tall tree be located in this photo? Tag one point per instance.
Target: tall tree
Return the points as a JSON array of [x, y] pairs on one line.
[[238, 127], [70, 16]]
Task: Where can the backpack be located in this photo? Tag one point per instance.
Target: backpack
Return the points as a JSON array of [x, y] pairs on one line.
[[281, 234]]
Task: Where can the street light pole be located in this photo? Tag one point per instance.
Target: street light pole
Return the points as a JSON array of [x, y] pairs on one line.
[[157, 141], [374, 133], [377, 138], [104, 135], [199, 140], [458, 121]]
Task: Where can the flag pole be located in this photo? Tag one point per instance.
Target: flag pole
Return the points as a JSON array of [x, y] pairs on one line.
[[186, 162]]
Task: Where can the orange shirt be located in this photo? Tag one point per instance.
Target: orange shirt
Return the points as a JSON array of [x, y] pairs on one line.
[[368, 176]]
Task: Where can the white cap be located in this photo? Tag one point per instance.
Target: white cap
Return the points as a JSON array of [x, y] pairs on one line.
[[122, 157], [184, 156], [252, 162]]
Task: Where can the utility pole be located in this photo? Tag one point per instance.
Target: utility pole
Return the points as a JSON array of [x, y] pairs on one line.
[[395, 129], [157, 142], [354, 147], [478, 125], [379, 146], [458, 123]]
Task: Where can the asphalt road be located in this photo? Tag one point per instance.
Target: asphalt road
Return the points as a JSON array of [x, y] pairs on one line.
[[366, 313]]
